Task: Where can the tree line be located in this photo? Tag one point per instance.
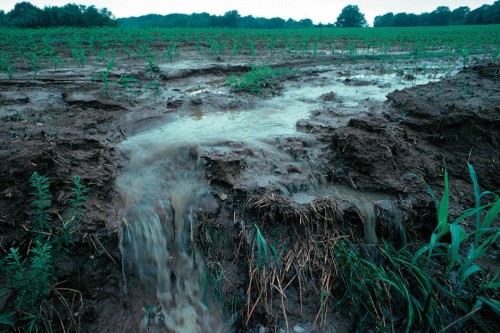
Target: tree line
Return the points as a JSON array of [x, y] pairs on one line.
[[26, 15], [442, 15], [231, 19]]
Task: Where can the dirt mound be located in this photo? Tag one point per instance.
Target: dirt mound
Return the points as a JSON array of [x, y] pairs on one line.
[[422, 129]]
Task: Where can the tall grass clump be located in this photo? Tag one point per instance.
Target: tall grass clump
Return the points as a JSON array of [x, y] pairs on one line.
[[437, 286]]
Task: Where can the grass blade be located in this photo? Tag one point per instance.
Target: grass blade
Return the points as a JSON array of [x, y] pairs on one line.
[[494, 304], [443, 206], [458, 235], [468, 272], [491, 215]]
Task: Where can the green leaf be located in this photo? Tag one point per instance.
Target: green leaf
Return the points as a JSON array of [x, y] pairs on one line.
[[458, 234], [261, 247], [421, 251], [468, 272], [471, 257], [494, 304], [275, 252], [431, 246], [443, 206], [477, 194], [491, 215], [5, 318], [493, 285]]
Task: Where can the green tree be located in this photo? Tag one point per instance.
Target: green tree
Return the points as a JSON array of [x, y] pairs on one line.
[[493, 13], [71, 16], [25, 15], [93, 17], [440, 16], [400, 20], [306, 23], [230, 19], [478, 15], [459, 15], [386, 20], [291, 23], [351, 17], [4, 19], [276, 23]]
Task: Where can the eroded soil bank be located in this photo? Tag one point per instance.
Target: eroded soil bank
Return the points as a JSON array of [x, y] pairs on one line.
[[303, 190]]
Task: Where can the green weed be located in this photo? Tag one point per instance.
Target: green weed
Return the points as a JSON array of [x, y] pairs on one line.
[[153, 68], [263, 81], [72, 216], [464, 53], [7, 65], [263, 257], [40, 215], [32, 277], [127, 82]]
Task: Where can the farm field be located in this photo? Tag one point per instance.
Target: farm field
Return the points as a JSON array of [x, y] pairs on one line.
[[218, 180]]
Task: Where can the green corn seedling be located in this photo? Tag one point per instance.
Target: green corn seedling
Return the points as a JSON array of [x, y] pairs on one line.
[[56, 61]]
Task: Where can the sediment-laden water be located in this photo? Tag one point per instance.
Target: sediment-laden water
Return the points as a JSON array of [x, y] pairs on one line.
[[159, 193]]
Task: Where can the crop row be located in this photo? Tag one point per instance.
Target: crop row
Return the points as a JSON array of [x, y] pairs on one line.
[[46, 48]]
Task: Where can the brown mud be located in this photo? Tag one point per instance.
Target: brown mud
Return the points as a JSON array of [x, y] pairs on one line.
[[62, 124]]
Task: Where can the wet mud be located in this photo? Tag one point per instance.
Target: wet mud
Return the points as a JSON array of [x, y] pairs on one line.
[[342, 164]]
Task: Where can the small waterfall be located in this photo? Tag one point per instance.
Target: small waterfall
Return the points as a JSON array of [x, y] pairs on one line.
[[163, 270], [367, 211], [158, 193]]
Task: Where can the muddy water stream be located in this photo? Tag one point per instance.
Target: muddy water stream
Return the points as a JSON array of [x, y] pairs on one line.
[[364, 202], [164, 180]]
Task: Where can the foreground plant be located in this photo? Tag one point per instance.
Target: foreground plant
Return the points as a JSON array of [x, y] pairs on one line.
[[438, 287], [33, 280], [38, 301], [474, 236]]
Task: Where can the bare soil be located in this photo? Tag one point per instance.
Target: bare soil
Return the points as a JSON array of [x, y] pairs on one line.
[[61, 123]]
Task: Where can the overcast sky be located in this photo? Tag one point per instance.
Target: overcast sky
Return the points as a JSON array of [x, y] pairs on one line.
[[324, 11]]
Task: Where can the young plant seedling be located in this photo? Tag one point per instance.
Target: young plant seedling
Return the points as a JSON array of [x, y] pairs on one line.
[[104, 77]]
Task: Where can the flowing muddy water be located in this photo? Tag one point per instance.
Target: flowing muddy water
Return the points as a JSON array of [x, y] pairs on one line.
[[159, 192], [164, 181], [364, 202]]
